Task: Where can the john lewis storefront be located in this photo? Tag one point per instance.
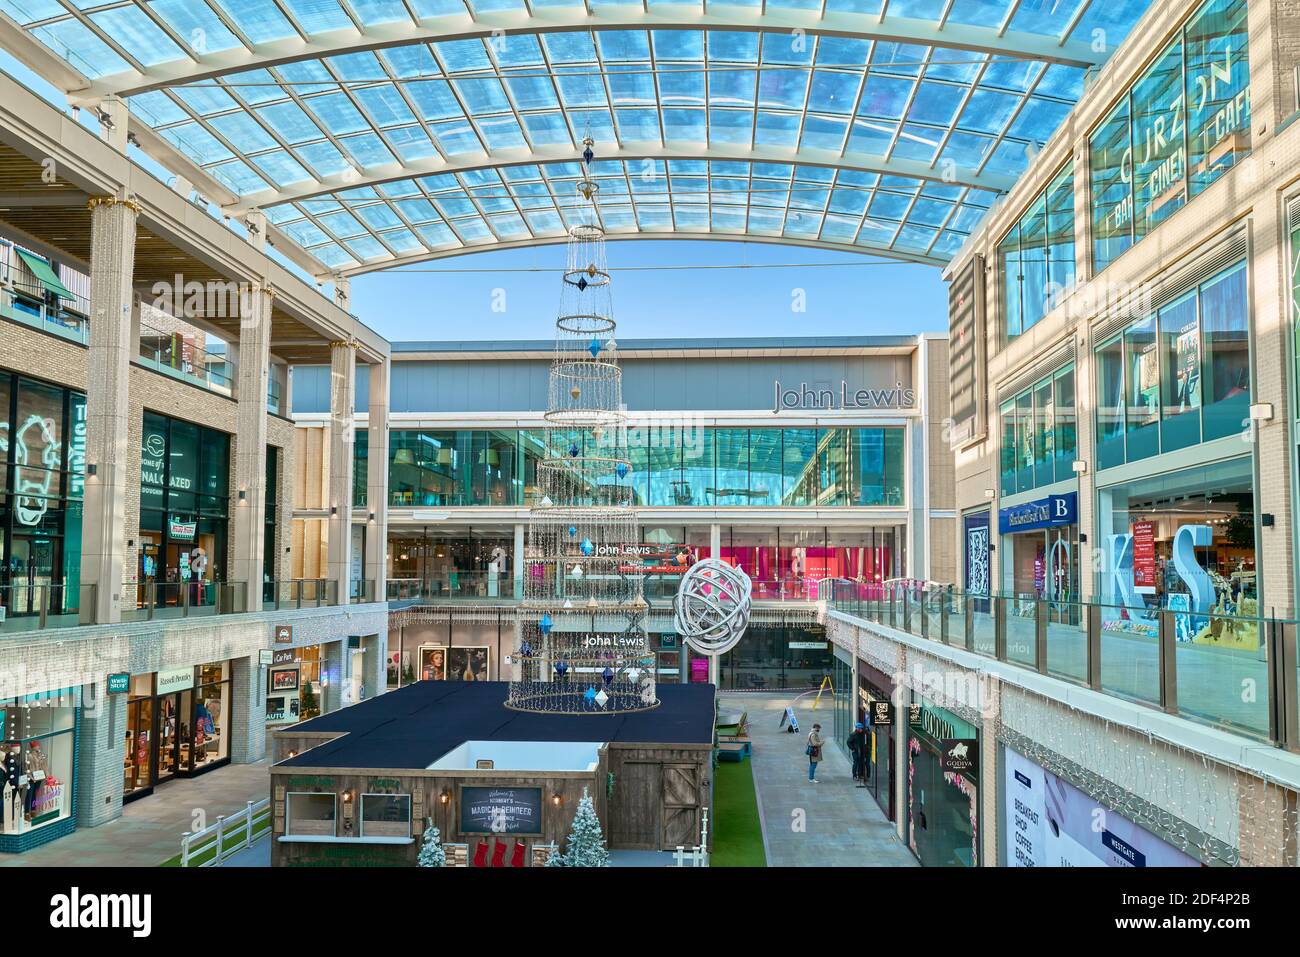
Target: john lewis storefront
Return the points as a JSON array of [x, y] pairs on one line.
[[799, 460]]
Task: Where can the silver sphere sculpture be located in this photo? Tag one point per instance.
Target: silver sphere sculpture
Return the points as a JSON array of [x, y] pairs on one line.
[[711, 608]]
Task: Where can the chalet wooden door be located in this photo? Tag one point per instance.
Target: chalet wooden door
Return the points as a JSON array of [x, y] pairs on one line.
[[634, 816], [681, 806]]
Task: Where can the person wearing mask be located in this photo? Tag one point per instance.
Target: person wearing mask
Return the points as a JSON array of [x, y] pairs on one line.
[[814, 751], [858, 751]]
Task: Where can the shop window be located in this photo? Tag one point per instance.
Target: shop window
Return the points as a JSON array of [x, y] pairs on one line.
[[360, 466], [1172, 380], [1180, 373], [1038, 434], [1181, 126], [1036, 257], [310, 815], [1159, 142], [1218, 90], [385, 815], [1141, 570], [1064, 424], [43, 434], [1142, 414], [1112, 196], [38, 758], [1226, 368]]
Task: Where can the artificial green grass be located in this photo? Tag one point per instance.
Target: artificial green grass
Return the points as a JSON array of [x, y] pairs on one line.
[[737, 833], [232, 836]]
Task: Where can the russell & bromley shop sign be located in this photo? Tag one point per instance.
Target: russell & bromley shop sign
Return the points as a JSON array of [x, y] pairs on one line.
[[806, 398]]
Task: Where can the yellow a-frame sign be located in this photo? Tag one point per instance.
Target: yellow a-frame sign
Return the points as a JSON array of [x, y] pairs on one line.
[[826, 686]]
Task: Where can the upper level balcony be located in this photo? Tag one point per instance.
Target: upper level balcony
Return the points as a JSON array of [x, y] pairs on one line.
[[1237, 673]]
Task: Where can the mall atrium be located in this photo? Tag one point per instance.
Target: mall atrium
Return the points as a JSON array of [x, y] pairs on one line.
[[370, 590]]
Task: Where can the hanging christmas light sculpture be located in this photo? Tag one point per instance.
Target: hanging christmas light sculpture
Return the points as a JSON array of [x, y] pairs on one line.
[[582, 646]]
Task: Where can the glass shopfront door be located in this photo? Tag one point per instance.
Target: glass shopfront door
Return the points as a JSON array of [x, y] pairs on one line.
[[30, 569]]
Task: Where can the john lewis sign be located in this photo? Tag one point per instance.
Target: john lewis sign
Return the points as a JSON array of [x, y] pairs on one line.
[[807, 398]]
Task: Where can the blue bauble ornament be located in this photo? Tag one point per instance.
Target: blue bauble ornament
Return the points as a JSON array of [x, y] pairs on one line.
[[561, 668], [621, 470], [594, 348], [545, 624], [574, 450], [587, 547], [590, 695], [573, 530]]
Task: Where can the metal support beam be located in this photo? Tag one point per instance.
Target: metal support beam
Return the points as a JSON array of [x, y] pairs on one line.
[[865, 250], [955, 36], [635, 152]]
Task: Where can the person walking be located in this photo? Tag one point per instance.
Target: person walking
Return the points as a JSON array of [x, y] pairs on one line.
[[858, 750], [814, 751]]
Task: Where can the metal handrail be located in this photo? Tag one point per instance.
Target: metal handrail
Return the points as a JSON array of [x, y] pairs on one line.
[[1020, 632]]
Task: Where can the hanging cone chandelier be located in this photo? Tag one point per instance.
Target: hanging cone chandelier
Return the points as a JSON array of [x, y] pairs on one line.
[[582, 646]]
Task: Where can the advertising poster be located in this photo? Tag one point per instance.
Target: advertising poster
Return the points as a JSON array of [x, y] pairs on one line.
[[433, 663], [500, 810], [699, 669], [467, 664], [1051, 823], [1144, 557]]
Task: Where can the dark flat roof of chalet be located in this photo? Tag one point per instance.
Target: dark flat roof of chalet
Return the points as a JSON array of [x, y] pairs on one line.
[[414, 726]]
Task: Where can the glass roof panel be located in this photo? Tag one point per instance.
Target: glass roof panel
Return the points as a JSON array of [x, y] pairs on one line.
[[420, 115]]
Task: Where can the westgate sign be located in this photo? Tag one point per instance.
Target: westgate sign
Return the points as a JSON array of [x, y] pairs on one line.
[[805, 398]]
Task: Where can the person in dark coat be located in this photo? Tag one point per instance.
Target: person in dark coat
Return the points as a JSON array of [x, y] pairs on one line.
[[858, 746]]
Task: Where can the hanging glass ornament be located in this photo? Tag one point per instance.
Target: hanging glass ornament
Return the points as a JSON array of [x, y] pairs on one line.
[[621, 470], [574, 451], [590, 694], [561, 668], [607, 675], [587, 547], [594, 348], [575, 392], [601, 697], [545, 624], [573, 530], [526, 649]]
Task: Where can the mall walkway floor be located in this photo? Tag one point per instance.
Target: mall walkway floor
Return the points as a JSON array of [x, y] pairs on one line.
[[828, 824], [149, 830]]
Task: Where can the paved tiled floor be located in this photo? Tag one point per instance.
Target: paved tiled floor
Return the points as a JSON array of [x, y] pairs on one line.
[[149, 830], [828, 824]]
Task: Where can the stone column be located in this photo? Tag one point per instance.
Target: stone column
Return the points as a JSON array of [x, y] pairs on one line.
[[334, 674], [112, 465], [375, 657], [250, 444], [113, 118], [902, 699], [377, 482], [247, 711], [101, 752], [343, 369]]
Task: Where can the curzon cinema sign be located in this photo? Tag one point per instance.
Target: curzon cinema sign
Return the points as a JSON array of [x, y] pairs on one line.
[[805, 398]]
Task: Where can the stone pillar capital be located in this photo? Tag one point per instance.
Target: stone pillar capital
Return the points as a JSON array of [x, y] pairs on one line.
[[109, 201]]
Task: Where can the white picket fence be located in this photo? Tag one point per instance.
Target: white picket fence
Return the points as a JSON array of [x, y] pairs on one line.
[[697, 856], [228, 836]]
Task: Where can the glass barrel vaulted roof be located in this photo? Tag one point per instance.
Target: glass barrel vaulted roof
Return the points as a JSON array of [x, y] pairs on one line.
[[379, 132]]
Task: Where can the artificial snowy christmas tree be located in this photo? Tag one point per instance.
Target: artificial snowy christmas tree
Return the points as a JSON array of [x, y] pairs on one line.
[[431, 852], [586, 847]]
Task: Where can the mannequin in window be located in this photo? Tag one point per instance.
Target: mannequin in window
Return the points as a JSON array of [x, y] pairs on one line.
[[36, 766]]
